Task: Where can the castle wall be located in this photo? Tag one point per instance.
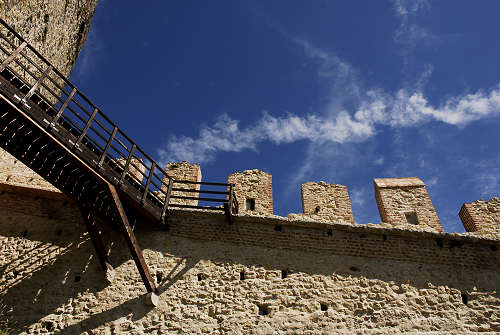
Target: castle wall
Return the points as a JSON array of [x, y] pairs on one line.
[[249, 277], [327, 201], [405, 202], [254, 191], [482, 217]]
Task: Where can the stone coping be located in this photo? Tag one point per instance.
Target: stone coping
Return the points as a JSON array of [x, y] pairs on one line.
[[369, 228], [397, 182], [299, 221]]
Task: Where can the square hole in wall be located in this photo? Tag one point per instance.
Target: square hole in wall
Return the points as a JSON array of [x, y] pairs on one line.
[[250, 204], [411, 218]]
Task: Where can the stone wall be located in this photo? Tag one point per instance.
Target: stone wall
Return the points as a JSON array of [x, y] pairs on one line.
[[13, 173], [405, 201], [184, 171], [55, 28], [247, 278], [326, 201], [482, 217], [254, 191]]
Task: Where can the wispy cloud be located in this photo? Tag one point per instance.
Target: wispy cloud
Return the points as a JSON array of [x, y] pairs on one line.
[[404, 108], [351, 112]]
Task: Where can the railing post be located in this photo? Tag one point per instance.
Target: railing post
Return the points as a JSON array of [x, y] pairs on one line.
[[167, 199], [63, 107], [13, 55], [108, 145], [127, 163], [38, 82], [148, 182], [228, 206], [87, 126], [230, 201]]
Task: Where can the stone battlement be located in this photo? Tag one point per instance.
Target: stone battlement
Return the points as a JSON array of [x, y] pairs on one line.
[[402, 202]]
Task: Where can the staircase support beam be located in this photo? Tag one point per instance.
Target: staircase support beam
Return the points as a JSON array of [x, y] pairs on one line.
[[134, 247]]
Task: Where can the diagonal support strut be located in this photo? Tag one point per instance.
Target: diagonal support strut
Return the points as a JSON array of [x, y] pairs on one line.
[[132, 242]]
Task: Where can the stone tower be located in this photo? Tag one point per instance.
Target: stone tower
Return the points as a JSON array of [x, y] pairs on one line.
[[254, 191], [329, 201], [405, 201], [57, 29], [482, 217]]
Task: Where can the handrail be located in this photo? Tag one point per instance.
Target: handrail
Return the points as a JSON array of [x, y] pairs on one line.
[[66, 113]]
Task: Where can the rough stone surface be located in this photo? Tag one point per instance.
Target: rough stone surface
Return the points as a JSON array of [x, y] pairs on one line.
[[400, 199], [248, 278], [15, 173], [328, 201], [253, 186], [55, 28], [482, 217], [184, 171]]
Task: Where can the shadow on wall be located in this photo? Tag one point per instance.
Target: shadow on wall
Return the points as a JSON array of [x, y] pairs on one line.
[[52, 280], [59, 275]]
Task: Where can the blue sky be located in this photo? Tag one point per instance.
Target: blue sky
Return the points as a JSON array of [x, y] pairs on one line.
[[340, 91]]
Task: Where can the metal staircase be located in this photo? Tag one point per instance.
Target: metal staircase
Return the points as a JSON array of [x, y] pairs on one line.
[[54, 129]]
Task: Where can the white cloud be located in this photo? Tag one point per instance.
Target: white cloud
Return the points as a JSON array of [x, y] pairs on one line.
[[401, 109], [379, 161], [351, 112]]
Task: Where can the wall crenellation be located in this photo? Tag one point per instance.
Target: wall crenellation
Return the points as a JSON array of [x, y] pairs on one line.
[[482, 217], [402, 202], [405, 201], [327, 201]]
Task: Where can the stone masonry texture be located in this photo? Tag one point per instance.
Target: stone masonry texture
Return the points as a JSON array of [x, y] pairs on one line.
[[245, 278], [184, 171], [57, 29], [401, 199], [14, 173], [328, 201], [253, 186], [482, 217]]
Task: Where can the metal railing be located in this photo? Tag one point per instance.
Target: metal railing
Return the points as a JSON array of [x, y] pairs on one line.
[[56, 104]]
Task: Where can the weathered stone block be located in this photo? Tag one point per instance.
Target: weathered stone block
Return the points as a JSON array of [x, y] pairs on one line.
[[253, 190], [405, 201], [482, 217], [328, 201], [184, 171]]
